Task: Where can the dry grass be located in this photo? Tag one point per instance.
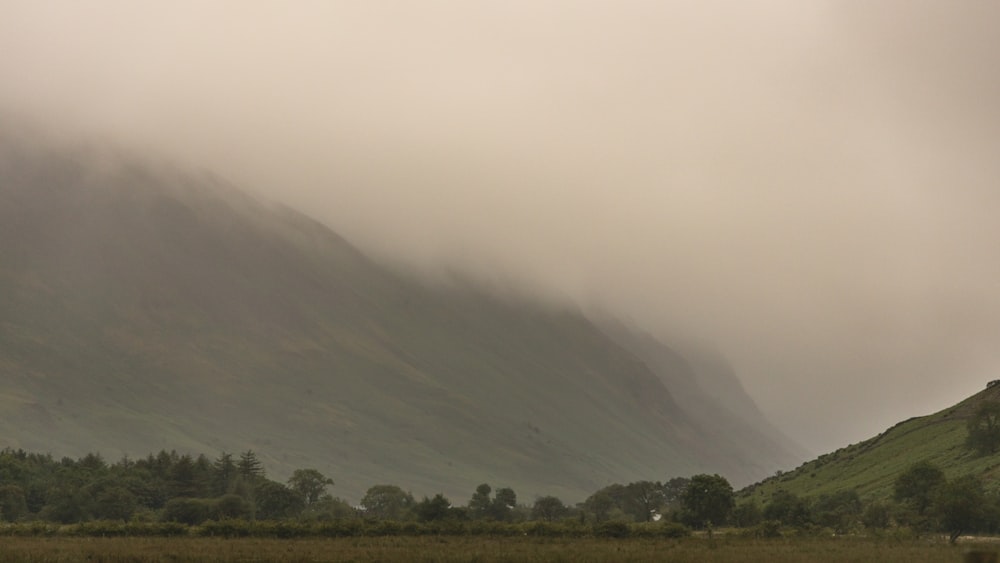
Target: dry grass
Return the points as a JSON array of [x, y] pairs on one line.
[[444, 549]]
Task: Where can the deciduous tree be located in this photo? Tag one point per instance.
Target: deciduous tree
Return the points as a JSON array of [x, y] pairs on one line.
[[984, 428], [387, 502], [708, 500], [917, 485], [960, 505], [548, 508], [309, 483]]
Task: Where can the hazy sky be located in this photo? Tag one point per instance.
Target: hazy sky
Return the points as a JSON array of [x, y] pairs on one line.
[[814, 186]]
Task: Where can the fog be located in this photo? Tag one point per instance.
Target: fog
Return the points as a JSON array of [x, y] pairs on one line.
[[812, 186]]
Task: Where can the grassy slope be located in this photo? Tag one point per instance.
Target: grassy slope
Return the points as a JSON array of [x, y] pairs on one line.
[[870, 467], [143, 308]]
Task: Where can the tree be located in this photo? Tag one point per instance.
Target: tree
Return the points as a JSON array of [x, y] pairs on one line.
[[840, 511], [114, 503], [433, 509], [876, 516], [607, 503], [984, 428], [309, 483], [66, 504], [788, 508], [13, 504], [184, 477], [643, 499], [232, 507], [708, 500], [274, 501], [548, 508], [504, 501], [916, 486], [249, 466], [673, 490], [387, 502], [959, 505], [747, 514], [190, 511], [480, 503], [329, 508], [224, 473]]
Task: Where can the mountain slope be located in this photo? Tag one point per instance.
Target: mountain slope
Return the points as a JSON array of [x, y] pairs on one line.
[[871, 467], [702, 381], [144, 307]]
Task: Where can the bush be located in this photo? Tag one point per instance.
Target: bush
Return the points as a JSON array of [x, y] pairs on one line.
[[190, 511], [226, 528], [612, 529], [383, 528]]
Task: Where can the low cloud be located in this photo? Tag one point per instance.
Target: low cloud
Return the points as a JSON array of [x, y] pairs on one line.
[[812, 186]]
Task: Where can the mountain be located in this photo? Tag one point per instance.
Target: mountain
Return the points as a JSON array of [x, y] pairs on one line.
[[147, 307], [871, 467]]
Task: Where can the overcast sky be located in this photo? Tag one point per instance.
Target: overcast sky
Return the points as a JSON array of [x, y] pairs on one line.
[[814, 186]]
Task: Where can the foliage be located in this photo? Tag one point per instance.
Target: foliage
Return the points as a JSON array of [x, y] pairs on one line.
[[89, 496], [984, 428], [918, 484], [114, 503], [839, 511], [249, 466], [960, 506], [600, 505], [747, 514], [673, 490], [13, 504], [548, 508], [876, 516], [433, 509], [871, 467], [789, 509], [387, 502], [765, 529], [707, 501], [612, 529], [500, 507], [310, 484], [644, 499]]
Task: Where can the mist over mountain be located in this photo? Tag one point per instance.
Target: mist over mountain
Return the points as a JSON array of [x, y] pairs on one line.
[[145, 306], [809, 186]]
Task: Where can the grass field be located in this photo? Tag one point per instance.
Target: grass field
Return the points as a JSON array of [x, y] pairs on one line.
[[480, 549], [871, 467]]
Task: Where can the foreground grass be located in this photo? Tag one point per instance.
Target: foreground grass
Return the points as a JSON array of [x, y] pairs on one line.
[[480, 549]]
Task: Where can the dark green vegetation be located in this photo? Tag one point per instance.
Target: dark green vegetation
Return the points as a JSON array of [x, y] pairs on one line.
[[146, 308], [231, 496], [233, 491], [870, 468], [931, 474]]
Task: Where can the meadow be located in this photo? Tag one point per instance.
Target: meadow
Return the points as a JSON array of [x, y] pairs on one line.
[[482, 549]]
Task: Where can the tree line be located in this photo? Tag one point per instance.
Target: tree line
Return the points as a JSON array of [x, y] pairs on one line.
[[186, 490]]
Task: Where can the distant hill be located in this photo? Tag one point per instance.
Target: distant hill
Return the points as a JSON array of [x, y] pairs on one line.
[[871, 467], [146, 307]]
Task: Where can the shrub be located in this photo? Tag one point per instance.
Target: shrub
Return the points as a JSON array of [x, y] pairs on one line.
[[190, 511], [612, 529]]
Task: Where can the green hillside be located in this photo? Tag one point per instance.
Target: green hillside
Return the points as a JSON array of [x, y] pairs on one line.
[[871, 467], [145, 307]]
